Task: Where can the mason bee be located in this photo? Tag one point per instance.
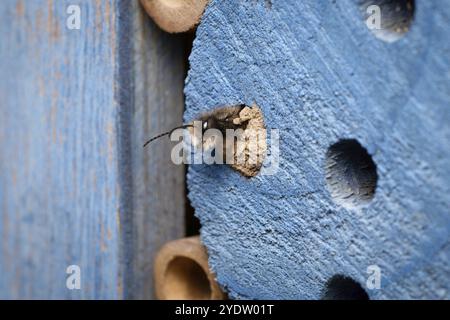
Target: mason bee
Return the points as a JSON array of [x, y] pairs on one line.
[[221, 118], [243, 148]]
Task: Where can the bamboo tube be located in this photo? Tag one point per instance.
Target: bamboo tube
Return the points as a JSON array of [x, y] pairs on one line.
[[182, 272], [175, 15]]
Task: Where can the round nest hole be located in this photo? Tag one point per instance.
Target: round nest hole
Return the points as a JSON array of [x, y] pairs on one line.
[[340, 287], [351, 174], [186, 280], [388, 20]]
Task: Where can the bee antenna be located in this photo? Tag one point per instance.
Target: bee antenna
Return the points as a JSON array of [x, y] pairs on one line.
[[168, 133]]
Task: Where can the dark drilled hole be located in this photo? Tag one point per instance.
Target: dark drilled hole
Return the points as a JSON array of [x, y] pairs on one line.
[[395, 17], [351, 174], [340, 287]]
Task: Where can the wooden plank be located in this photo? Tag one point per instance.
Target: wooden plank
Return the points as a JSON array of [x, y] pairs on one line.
[[76, 186], [60, 190], [159, 68], [320, 75]]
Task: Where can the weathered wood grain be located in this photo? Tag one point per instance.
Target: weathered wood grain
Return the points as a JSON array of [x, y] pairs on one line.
[[76, 187], [319, 75], [159, 68], [60, 190]]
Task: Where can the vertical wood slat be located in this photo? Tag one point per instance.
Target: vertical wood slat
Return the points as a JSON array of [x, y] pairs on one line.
[[158, 184], [75, 186]]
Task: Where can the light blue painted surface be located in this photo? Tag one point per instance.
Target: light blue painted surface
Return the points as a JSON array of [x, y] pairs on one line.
[[319, 75], [76, 186], [60, 185]]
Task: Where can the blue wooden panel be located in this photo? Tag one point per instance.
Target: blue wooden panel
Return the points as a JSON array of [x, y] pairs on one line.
[[76, 186], [319, 76], [60, 185]]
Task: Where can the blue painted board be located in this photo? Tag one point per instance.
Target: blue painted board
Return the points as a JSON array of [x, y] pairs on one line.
[[60, 185], [76, 187], [320, 76]]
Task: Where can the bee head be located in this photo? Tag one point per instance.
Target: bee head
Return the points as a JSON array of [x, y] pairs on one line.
[[208, 123]]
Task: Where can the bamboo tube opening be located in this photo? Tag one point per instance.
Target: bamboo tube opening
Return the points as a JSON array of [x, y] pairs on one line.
[[182, 272], [175, 15], [185, 279]]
